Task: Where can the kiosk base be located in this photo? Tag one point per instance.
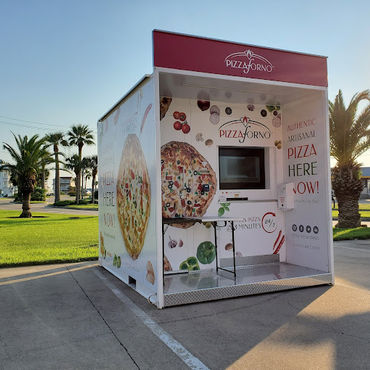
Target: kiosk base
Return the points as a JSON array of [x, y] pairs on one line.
[[201, 286]]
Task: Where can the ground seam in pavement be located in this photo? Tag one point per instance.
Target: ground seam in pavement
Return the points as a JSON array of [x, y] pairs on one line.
[[101, 316]]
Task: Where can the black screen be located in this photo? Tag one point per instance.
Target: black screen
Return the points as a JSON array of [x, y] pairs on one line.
[[242, 168]]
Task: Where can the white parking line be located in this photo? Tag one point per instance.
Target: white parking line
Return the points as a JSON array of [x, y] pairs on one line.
[[191, 361], [352, 249]]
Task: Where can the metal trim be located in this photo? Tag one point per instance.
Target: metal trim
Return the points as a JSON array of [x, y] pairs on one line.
[[203, 295]]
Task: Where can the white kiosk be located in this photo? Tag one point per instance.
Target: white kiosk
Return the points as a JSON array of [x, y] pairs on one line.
[[214, 176]]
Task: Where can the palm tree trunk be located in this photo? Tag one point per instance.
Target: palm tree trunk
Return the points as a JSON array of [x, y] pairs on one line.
[[26, 206], [43, 177], [57, 179], [93, 190], [78, 187], [81, 173], [85, 184], [82, 184], [348, 214]]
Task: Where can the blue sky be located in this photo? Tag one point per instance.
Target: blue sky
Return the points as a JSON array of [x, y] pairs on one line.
[[64, 62]]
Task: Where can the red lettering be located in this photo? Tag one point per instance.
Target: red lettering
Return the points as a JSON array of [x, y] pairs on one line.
[[301, 151], [306, 187], [290, 152]]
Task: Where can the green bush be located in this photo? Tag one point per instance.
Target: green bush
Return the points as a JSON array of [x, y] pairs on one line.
[[38, 194], [85, 201], [63, 203]]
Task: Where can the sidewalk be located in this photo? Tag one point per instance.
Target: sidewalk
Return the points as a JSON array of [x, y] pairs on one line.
[[70, 316]]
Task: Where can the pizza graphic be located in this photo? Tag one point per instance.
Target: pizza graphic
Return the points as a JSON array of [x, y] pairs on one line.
[[133, 196], [164, 104], [188, 181]]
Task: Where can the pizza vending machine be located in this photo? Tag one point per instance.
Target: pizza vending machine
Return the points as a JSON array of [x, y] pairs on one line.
[[214, 173]]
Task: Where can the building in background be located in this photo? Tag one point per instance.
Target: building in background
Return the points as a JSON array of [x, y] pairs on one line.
[[6, 187], [365, 177], [66, 182]]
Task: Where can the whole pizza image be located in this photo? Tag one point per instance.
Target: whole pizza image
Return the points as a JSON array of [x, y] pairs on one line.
[[214, 175]]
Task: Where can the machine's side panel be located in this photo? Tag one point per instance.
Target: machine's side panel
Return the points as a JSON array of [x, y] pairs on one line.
[[127, 188], [305, 142]]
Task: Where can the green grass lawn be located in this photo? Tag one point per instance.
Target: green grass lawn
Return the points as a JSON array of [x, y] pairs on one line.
[[52, 238], [47, 238], [361, 206], [363, 213], [350, 234], [364, 206]]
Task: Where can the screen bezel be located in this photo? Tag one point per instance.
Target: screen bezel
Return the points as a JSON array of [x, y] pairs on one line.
[[243, 152]]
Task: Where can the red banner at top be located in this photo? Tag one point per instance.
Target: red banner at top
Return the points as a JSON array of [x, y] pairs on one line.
[[197, 54]]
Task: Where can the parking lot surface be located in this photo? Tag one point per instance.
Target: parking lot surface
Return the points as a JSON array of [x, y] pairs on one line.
[[78, 316]]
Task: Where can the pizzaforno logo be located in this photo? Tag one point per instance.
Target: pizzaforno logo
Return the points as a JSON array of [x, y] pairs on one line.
[[250, 130], [248, 61]]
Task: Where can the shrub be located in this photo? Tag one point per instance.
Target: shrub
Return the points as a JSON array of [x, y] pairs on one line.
[[85, 201], [39, 194], [63, 203]]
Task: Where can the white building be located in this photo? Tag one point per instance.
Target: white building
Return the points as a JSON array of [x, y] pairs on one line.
[[66, 182], [6, 187]]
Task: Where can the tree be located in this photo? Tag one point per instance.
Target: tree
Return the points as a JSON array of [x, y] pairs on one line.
[[349, 138], [46, 159], [56, 139], [87, 175], [27, 157], [74, 164], [94, 172], [80, 135], [85, 165]]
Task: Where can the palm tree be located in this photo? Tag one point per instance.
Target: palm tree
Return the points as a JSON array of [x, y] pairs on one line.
[[349, 138], [80, 135], [56, 139], [46, 159], [85, 165], [27, 157], [94, 172], [87, 175], [74, 164]]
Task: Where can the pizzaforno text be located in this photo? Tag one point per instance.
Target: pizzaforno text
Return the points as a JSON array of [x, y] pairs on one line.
[[245, 134], [250, 66]]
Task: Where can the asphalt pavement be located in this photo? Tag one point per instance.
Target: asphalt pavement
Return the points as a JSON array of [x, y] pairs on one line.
[[47, 207], [78, 316]]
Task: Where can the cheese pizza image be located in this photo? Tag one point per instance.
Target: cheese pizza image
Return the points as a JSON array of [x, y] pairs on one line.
[[133, 196]]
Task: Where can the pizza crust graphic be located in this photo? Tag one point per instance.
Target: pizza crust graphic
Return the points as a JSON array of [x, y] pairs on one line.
[[164, 104], [133, 196], [188, 182]]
